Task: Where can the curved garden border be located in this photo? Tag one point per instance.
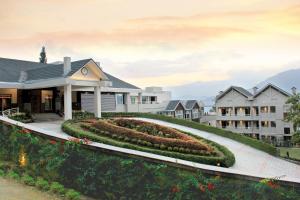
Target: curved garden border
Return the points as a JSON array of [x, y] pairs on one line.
[[226, 160]]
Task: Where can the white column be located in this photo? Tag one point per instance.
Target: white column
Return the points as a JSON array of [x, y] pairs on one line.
[[68, 101], [127, 101], [139, 101], [97, 99]]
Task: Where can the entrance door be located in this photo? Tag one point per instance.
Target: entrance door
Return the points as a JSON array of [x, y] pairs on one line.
[[5, 102]]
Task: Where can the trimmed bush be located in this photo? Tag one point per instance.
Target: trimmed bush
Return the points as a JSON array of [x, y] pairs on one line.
[[42, 184], [57, 188], [72, 194]]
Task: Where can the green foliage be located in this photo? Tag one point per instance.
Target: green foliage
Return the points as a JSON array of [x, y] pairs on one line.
[[107, 175], [79, 115], [72, 194], [42, 184], [224, 133], [294, 112], [28, 180], [2, 173], [296, 138], [13, 175], [57, 188], [22, 117]]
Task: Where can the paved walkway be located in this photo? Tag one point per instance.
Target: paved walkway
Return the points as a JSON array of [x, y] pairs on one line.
[[11, 190], [248, 159]]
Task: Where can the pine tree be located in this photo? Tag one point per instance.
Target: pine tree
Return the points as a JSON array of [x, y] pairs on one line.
[[43, 57]]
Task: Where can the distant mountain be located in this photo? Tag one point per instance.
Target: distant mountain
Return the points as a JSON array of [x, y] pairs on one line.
[[206, 91], [285, 80]]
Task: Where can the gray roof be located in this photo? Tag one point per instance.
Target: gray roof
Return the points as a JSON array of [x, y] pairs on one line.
[[172, 105], [189, 105], [11, 69], [240, 90], [274, 87]]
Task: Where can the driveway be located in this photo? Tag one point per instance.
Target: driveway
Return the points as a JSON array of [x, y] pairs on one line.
[[248, 159]]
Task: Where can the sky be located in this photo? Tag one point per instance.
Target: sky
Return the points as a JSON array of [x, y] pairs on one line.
[[159, 43]]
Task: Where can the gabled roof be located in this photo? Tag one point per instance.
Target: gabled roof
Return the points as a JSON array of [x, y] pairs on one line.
[[189, 105], [172, 105], [274, 87], [11, 70], [240, 90]]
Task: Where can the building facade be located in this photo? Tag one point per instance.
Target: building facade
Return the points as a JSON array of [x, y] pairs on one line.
[[189, 110], [79, 85], [260, 114]]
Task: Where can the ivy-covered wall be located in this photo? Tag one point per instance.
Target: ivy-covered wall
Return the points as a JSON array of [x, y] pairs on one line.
[[107, 176]]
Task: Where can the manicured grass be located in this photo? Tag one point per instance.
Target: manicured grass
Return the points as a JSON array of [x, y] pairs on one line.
[[257, 144], [294, 152]]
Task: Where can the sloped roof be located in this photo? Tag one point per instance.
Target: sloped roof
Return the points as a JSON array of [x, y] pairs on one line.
[[172, 105], [240, 90], [11, 69], [274, 87], [189, 105]]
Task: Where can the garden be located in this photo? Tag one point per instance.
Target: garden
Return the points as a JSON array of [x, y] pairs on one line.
[[150, 137], [69, 167]]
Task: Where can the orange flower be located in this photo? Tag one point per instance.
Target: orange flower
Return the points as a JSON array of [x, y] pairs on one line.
[[86, 141], [210, 186], [24, 131], [272, 184]]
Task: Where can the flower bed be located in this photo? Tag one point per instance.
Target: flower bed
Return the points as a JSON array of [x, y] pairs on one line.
[[150, 137]]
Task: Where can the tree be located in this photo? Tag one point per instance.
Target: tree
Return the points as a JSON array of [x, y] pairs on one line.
[[294, 113], [43, 57]]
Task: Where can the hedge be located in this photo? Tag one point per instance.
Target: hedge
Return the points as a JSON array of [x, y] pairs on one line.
[[105, 175], [257, 144], [225, 160]]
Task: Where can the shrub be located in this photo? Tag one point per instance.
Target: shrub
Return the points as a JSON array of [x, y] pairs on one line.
[[72, 194], [177, 149], [57, 188], [162, 146], [170, 149], [42, 184], [2, 173], [13, 175], [28, 180]]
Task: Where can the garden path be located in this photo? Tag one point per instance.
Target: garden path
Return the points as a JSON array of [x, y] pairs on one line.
[[248, 159]]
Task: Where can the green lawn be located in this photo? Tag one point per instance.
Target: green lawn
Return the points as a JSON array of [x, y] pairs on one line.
[[294, 152]]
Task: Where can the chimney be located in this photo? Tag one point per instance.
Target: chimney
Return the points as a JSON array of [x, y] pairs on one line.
[[294, 90], [67, 65], [255, 90]]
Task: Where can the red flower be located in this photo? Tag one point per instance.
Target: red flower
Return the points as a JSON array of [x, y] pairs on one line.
[[272, 184], [210, 186], [24, 131], [53, 142], [175, 189], [201, 187]]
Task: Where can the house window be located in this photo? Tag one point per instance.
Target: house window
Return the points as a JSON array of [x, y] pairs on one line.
[[120, 98], [287, 130], [264, 124], [264, 109], [133, 99], [144, 99], [273, 109], [153, 99], [273, 124]]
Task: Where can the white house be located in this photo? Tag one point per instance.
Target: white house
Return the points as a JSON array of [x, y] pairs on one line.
[[259, 114], [78, 85]]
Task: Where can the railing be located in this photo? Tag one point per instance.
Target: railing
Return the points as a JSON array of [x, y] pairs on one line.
[[10, 112]]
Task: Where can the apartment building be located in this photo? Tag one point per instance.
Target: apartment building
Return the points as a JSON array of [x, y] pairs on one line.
[[189, 109], [259, 114]]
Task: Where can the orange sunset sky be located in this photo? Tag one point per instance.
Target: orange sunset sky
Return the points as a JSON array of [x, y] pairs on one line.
[[158, 42]]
